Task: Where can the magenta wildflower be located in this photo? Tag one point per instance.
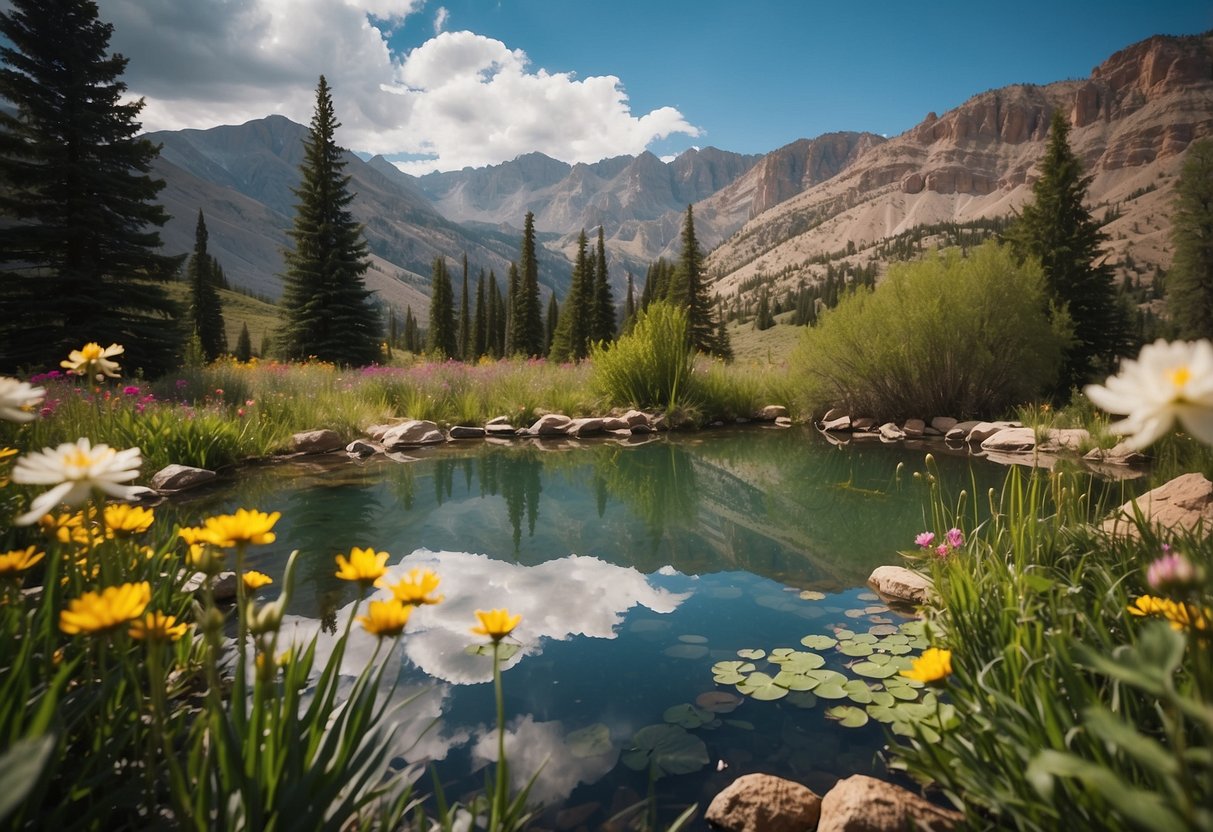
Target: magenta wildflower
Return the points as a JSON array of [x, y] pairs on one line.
[[942, 550], [925, 539], [1171, 571], [956, 538], [130, 390]]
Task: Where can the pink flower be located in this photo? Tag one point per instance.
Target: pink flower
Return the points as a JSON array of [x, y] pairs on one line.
[[130, 390], [942, 551], [1172, 571], [956, 538], [925, 539]]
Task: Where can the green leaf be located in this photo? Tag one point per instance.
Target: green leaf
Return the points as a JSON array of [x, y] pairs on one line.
[[817, 642], [20, 767], [799, 661], [1147, 809], [854, 649], [848, 716], [1148, 665], [874, 671], [802, 699], [794, 681], [762, 687], [734, 667], [668, 749], [752, 653], [858, 691], [1103, 723], [687, 716], [590, 741]]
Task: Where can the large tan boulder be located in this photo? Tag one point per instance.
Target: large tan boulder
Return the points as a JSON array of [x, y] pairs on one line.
[[551, 424], [316, 441], [412, 432], [764, 803], [865, 804], [1013, 440], [901, 584], [1180, 504], [176, 477]]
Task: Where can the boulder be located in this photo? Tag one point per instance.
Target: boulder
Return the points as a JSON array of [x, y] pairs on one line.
[[376, 432], [1121, 454], [224, 586], [865, 804], [889, 432], [316, 441], [550, 424], [783, 422], [914, 428], [960, 431], [497, 420], [584, 427], [500, 429], [1012, 440], [180, 477], [901, 583], [943, 424], [764, 803], [466, 432], [982, 431], [635, 418], [141, 495], [642, 429], [841, 423], [771, 412], [863, 423], [363, 447], [833, 413], [614, 423], [412, 432], [1070, 439], [1178, 505]]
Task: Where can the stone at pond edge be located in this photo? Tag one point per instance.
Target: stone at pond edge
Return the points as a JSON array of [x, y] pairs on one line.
[[553, 424], [900, 583], [363, 447], [1178, 504], [315, 441], [223, 587], [1009, 439], [412, 432], [764, 803], [466, 432], [865, 804], [943, 424], [180, 477], [771, 412]]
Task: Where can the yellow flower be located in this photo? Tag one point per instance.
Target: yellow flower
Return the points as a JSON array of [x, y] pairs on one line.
[[204, 558], [156, 626], [1181, 616], [5, 453], [496, 624], [245, 526], [934, 665], [1148, 605], [123, 519], [364, 566], [98, 612], [192, 534], [254, 580], [18, 560], [417, 588], [91, 359], [386, 618]]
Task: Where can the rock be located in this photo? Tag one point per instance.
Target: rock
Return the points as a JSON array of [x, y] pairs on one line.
[[865, 804], [466, 432], [635, 418], [889, 432], [141, 495], [376, 432], [1121, 454], [316, 441], [362, 447], [960, 431], [982, 431], [914, 428], [841, 423], [180, 477], [584, 427], [642, 429], [412, 432], [901, 583], [832, 414], [1177, 505], [783, 422], [614, 423], [550, 424], [224, 586], [1070, 439], [943, 424], [1009, 440], [764, 803], [912, 184], [500, 429], [771, 412], [863, 423], [497, 420]]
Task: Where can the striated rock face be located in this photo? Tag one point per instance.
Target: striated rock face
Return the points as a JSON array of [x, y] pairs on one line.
[[785, 172]]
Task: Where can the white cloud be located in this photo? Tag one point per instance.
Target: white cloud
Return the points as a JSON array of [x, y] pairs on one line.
[[458, 99], [440, 18]]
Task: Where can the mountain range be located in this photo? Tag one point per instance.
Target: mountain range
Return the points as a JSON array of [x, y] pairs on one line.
[[776, 218]]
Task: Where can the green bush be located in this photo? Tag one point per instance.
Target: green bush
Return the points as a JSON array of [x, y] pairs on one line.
[[649, 367], [950, 335]]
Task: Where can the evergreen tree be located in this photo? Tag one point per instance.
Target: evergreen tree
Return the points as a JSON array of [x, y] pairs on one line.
[[79, 238], [465, 322], [604, 301], [393, 334], [688, 289], [629, 307], [443, 336], [570, 341], [264, 350], [493, 323], [553, 320], [527, 318], [1190, 281], [511, 308], [205, 310], [244, 344], [327, 308], [764, 319], [412, 338], [1058, 230], [480, 322]]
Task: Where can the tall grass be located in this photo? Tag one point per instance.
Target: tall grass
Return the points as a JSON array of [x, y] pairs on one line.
[[651, 365]]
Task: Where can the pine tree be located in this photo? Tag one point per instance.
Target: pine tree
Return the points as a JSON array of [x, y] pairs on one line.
[[629, 307], [688, 289], [82, 262], [244, 344], [464, 338], [570, 342], [480, 322], [327, 308], [526, 321], [553, 321], [603, 328], [205, 311], [493, 323], [1190, 281], [443, 336], [1058, 230], [412, 338], [764, 319]]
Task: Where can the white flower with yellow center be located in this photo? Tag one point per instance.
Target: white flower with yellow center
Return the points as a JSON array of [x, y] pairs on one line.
[[1167, 382], [92, 359], [76, 470], [18, 399]]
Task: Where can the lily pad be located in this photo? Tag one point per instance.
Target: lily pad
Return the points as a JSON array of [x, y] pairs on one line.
[[848, 716], [739, 723], [899, 649], [505, 651], [812, 595], [875, 609], [858, 691], [855, 613], [872, 670], [882, 713], [591, 741], [779, 654], [734, 667], [794, 681], [799, 661], [883, 697], [864, 638], [687, 716], [718, 701], [686, 651], [884, 630], [843, 634], [855, 649], [668, 749], [802, 699], [868, 596], [752, 653], [819, 642], [762, 687], [689, 639]]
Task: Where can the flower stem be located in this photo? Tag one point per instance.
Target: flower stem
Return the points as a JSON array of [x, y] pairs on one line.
[[497, 815]]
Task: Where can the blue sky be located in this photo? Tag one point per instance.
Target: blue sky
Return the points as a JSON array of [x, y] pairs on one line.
[[508, 76]]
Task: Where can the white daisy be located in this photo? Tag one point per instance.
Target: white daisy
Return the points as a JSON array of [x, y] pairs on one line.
[[91, 360], [1165, 383], [75, 470], [18, 399]]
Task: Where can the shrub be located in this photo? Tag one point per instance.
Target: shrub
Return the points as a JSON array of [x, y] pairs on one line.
[[649, 367], [950, 335]]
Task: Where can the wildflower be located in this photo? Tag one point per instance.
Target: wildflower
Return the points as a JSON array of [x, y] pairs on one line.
[[267, 618], [254, 580], [18, 399], [75, 470], [417, 588], [366, 566], [18, 560], [1181, 616], [496, 624], [386, 618], [1171, 571], [245, 526], [130, 390], [933, 666], [942, 550], [91, 360], [204, 558], [156, 626], [99, 612], [123, 519], [956, 538], [925, 539], [1165, 383]]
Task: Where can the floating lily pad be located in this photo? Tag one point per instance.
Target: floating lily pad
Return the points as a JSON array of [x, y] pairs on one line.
[[812, 595], [693, 639], [894, 638], [730, 673], [903, 692], [858, 691], [780, 653], [899, 649], [848, 716], [882, 713], [881, 660], [505, 651], [668, 749], [843, 634], [872, 670], [686, 651], [875, 609], [752, 653], [819, 642], [794, 681], [802, 699], [799, 661], [687, 716], [855, 649], [855, 613], [868, 596], [591, 741], [883, 697], [864, 638], [718, 701], [881, 619], [884, 630], [739, 723], [762, 687], [916, 627]]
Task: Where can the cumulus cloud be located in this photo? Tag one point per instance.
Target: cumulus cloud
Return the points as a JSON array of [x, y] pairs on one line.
[[458, 99], [440, 18]]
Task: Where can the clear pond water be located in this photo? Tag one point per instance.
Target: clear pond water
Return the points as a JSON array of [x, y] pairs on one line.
[[638, 569]]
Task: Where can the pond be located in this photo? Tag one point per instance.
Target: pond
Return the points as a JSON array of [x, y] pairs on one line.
[[640, 570]]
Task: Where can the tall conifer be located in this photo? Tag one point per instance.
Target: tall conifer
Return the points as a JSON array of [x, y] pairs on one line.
[[526, 316], [464, 338], [443, 335], [1190, 281], [205, 310], [479, 322], [570, 341], [604, 300], [494, 323]]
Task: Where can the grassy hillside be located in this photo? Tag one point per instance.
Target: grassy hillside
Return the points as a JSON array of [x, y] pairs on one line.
[[770, 346], [238, 309]]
